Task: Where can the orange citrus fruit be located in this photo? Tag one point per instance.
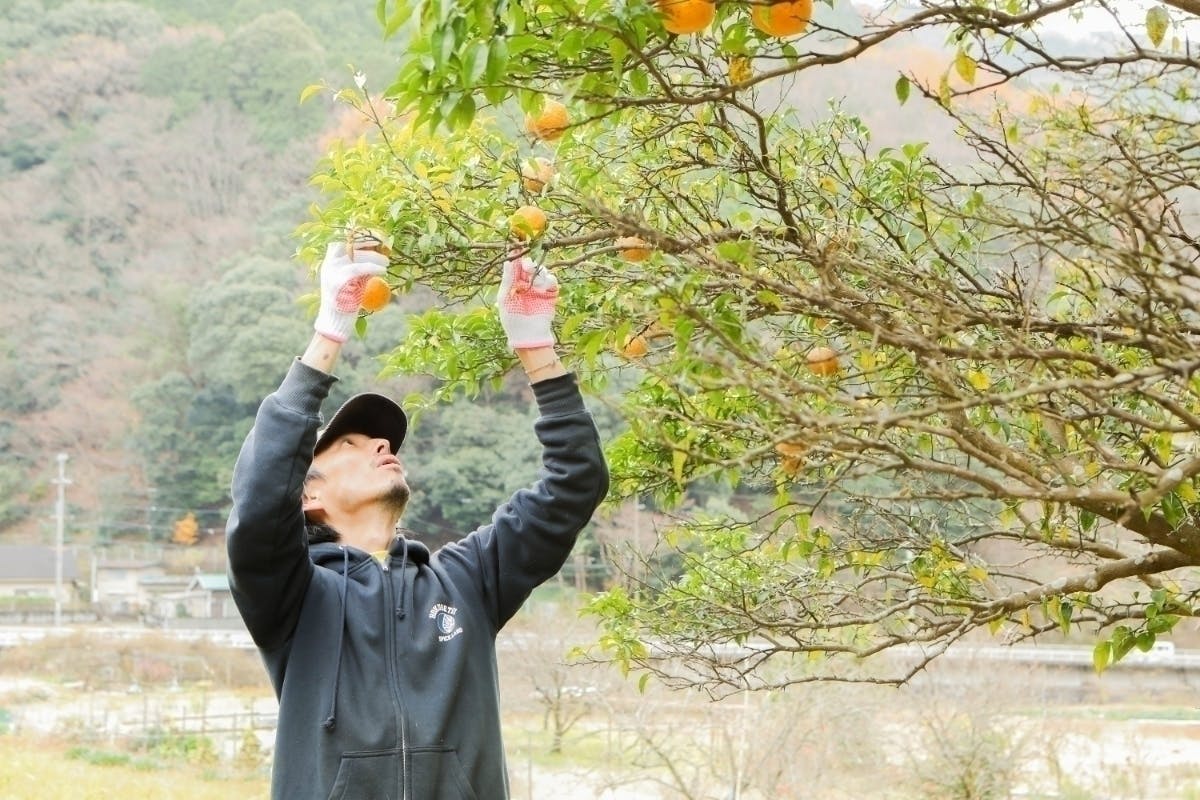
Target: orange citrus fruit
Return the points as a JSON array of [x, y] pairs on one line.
[[793, 456], [791, 448], [781, 19], [635, 347], [633, 248], [527, 222], [376, 294], [550, 123], [687, 16], [823, 361], [536, 173]]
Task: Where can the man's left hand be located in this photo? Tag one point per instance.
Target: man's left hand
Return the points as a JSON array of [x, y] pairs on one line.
[[528, 295]]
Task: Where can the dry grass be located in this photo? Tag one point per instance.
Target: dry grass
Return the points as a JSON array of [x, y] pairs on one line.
[[52, 770], [100, 662]]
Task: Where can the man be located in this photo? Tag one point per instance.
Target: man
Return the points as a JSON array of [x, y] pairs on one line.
[[381, 653]]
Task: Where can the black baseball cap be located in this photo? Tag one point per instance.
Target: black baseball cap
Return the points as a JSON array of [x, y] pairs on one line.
[[370, 414]]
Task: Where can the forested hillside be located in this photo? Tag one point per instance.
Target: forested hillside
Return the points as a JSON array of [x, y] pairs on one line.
[[154, 159], [154, 163]]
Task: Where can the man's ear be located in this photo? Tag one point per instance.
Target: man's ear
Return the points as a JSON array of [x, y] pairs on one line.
[[312, 507], [310, 496]]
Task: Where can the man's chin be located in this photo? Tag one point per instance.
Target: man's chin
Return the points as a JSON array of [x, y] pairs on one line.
[[397, 497]]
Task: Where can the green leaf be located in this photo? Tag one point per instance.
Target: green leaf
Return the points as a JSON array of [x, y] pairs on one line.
[[1157, 22], [903, 87], [571, 45], [678, 460], [1102, 656], [310, 90], [474, 63], [944, 92], [979, 379], [1065, 612], [497, 60], [397, 19], [617, 50], [1122, 642], [965, 66], [463, 113], [642, 682], [640, 81], [1173, 510]]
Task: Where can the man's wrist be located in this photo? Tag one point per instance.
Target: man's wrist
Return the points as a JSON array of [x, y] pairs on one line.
[[322, 352], [541, 363]]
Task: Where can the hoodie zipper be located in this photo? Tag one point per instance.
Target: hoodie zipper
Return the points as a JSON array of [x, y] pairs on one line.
[[393, 676]]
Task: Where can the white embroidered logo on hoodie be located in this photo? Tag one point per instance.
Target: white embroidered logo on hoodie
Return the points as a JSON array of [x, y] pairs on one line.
[[444, 617]]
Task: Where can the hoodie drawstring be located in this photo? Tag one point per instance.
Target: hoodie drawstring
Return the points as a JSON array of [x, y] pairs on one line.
[[401, 611], [331, 721]]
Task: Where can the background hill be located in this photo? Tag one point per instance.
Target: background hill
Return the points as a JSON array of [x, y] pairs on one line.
[[153, 160]]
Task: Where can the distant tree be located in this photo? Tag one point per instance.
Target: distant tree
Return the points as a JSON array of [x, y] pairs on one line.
[[190, 72], [246, 324], [21, 19], [126, 22], [187, 530], [962, 394], [265, 64], [250, 754], [543, 635], [467, 458], [13, 486], [242, 332]]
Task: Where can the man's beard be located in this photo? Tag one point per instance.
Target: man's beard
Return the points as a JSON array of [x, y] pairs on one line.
[[396, 497]]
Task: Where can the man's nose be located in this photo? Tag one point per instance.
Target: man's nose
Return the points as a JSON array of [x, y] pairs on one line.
[[382, 446]]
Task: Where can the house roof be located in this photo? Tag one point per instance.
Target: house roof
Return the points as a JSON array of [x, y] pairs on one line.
[[211, 582], [128, 563], [170, 581], [23, 562]]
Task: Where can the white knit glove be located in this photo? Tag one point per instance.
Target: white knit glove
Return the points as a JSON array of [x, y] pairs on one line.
[[342, 281], [528, 294]]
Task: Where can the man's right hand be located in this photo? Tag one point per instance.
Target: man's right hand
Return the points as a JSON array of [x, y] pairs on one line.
[[343, 276]]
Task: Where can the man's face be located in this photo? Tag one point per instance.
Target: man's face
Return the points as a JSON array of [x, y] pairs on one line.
[[355, 471]]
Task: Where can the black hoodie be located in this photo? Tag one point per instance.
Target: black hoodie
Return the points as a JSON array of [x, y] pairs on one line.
[[386, 672]]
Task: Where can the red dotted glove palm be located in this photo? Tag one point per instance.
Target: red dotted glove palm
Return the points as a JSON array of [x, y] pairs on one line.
[[528, 295], [342, 282]]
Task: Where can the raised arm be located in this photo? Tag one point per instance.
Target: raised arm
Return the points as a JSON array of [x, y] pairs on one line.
[[269, 568], [531, 535]]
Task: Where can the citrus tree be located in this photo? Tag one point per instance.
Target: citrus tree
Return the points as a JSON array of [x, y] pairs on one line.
[[955, 396]]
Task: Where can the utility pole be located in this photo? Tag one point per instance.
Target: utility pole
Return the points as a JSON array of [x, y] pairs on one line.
[[62, 482]]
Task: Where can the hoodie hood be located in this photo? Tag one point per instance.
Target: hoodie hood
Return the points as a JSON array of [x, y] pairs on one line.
[[340, 558]]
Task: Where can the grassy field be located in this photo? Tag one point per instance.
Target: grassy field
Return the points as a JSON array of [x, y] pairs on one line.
[[38, 769]]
